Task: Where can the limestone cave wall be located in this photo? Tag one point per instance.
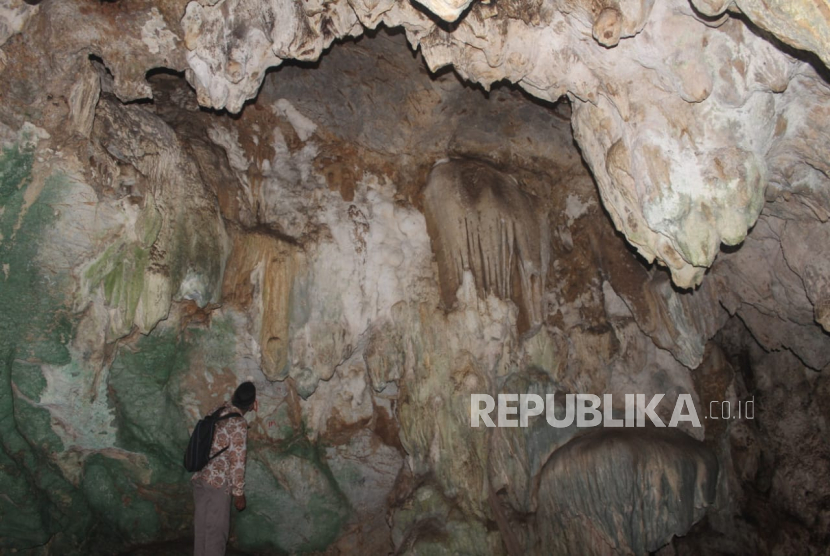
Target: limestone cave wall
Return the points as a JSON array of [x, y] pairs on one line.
[[374, 210]]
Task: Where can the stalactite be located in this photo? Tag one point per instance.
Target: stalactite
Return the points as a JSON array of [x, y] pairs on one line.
[[481, 221]]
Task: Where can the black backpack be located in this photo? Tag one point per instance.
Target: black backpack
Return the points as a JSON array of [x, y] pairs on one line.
[[197, 454]]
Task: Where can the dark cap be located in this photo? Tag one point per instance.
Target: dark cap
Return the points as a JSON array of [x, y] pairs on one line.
[[245, 395]]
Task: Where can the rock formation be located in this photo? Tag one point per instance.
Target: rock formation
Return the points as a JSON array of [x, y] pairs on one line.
[[378, 208], [483, 223], [624, 491]]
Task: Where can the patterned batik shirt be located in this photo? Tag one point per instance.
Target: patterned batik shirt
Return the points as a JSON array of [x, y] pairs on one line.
[[227, 470]]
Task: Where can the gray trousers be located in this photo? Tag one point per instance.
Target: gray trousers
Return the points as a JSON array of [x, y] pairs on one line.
[[212, 520]]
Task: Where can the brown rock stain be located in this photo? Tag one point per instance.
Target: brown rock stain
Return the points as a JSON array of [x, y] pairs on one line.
[[260, 275]]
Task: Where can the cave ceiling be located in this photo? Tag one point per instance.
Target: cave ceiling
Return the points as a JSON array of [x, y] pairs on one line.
[[690, 115]]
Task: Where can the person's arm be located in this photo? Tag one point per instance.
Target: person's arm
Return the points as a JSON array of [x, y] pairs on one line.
[[238, 453]]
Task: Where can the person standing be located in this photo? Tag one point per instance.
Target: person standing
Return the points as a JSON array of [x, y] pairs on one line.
[[224, 475]]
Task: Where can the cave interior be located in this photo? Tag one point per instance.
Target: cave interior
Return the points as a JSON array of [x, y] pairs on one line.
[[375, 210]]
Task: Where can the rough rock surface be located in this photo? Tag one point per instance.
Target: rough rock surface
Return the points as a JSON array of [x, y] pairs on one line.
[[159, 244], [678, 180], [626, 491], [483, 223]]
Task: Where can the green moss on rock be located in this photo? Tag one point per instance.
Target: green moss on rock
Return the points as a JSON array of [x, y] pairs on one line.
[[144, 384], [307, 516], [38, 493], [36, 327], [29, 379], [34, 315], [15, 173], [21, 522], [114, 497], [121, 271]]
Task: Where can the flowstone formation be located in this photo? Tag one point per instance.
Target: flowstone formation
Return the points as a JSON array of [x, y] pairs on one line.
[[385, 226], [662, 482], [483, 223]]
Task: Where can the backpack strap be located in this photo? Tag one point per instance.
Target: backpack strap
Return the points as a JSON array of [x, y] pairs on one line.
[[221, 418]]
